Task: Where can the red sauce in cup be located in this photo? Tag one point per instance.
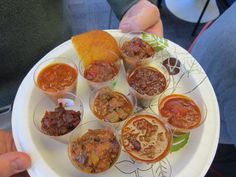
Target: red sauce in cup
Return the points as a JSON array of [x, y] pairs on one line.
[[57, 77], [180, 111], [101, 71]]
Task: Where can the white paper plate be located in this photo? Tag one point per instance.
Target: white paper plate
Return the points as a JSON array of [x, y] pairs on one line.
[[50, 159]]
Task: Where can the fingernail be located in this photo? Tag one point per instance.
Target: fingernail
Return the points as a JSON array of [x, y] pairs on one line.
[[19, 165]]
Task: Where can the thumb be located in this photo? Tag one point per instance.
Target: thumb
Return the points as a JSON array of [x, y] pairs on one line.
[[140, 17], [13, 163]]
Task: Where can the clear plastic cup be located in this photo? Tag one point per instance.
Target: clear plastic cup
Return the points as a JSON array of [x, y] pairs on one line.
[[136, 60], [146, 137], [56, 81], [70, 102], [144, 99], [112, 111], [112, 81], [84, 147], [180, 118]]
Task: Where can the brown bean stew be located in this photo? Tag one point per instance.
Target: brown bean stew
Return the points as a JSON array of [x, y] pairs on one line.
[[60, 121], [101, 71], [146, 138], [147, 80], [137, 48], [111, 106], [95, 151]]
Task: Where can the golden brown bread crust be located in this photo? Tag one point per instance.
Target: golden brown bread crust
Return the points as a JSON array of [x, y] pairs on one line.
[[93, 45]]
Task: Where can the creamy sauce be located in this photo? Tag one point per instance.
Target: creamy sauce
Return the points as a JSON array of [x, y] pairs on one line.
[[145, 138]]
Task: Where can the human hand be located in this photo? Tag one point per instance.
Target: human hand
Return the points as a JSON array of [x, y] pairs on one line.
[[143, 16], [12, 163]]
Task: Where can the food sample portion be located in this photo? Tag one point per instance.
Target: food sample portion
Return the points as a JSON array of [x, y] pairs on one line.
[[146, 138], [60, 121], [95, 151], [180, 111], [111, 106], [137, 50], [57, 77], [101, 71], [147, 80], [99, 56], [92, 46]]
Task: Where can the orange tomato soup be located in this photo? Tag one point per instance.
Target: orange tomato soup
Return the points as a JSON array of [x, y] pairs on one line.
[[180, 111], [57, 77]]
